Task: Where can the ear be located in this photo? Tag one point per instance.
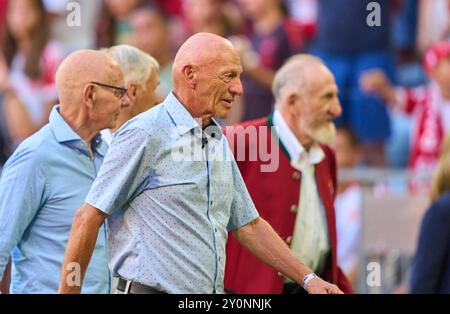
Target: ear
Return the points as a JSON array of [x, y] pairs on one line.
[[190, 75], [132, 91], [291, 102], [89, 95]]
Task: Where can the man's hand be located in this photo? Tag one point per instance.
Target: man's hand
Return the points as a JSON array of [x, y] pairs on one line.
[[319, 286], [376, 82]]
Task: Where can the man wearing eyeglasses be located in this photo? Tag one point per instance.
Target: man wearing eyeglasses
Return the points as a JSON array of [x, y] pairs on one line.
[[50, 173]]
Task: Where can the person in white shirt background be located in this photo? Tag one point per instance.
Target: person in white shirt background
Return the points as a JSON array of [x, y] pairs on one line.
[[348, 205]]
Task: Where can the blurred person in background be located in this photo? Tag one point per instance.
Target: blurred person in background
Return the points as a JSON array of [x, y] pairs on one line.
[[113, 26], [430, 105], [5, 145], [31, 60], [69, 36], [433, 23], [209, 16], [431, 266], [140, 72], [349, 47], [305, 13], [151, 34], [348, 205], [3, 6], [218, 17], [271, 39]]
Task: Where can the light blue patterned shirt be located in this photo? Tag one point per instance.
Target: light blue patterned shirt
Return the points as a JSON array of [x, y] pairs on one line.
[[169, 216], [42, 184]]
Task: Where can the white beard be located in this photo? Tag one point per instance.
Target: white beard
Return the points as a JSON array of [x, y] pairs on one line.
[[324, 134]]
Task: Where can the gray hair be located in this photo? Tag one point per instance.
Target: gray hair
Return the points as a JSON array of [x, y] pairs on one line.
[[137, 66], [291, 76]]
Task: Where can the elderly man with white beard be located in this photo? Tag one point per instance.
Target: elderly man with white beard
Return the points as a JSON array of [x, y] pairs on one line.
[[297, 199]]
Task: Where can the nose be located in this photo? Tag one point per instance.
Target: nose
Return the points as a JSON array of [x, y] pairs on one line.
[[336, 109], [236, 88]]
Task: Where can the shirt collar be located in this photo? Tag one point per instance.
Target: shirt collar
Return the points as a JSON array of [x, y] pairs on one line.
[[297, 153], [185, 122], [65, 134]]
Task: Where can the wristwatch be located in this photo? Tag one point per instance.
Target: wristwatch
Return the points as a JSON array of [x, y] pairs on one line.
[[307, 279]]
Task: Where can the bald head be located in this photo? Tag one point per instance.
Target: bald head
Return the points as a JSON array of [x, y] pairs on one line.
[[200, 49], [81, 67], [206, 75]]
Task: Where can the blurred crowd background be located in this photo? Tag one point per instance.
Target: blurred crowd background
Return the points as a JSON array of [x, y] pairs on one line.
[[383, 191]]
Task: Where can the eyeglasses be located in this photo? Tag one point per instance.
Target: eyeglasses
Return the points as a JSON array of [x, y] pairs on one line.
[[119, 92]]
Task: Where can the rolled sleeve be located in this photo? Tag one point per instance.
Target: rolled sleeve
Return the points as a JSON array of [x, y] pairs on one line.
[[123, 172], [243, 209], [22, 193]]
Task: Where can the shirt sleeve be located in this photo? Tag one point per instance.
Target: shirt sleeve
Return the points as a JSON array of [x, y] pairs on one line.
[[22, 193], [123, 173], [243, 209]]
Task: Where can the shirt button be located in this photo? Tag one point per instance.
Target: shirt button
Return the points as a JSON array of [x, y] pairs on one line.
[[215, 230], [294, 208], [296, 175]]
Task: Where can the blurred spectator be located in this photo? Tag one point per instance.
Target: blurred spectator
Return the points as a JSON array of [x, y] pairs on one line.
[[32, 61], [429, 104], [348, 206], [3, 6], [349, 46], [170, 7], [113, 27], [272, 38], [404, 26], [151, 35], [219, 17], [70, 37], [431, 267], [4, 145], [206, 16], [305, 13], [4, 136], [140, 72], [434, 22]]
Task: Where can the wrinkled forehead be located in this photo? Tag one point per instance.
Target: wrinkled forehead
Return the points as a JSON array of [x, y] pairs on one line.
[[321, 80], [226, 62]]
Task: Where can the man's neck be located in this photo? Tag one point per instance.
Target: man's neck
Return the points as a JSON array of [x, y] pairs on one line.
[[304, 140], [80, 126]]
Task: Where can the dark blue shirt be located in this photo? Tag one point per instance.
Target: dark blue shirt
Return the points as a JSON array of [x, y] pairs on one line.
[[431, 269], [343, 28]]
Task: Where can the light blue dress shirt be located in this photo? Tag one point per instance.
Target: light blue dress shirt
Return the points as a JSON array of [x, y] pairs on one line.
[[42, 184], [169, 216]]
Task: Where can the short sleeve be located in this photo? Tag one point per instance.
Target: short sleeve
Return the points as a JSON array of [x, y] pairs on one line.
[[123, 172], [22, 193], [243, 209]]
